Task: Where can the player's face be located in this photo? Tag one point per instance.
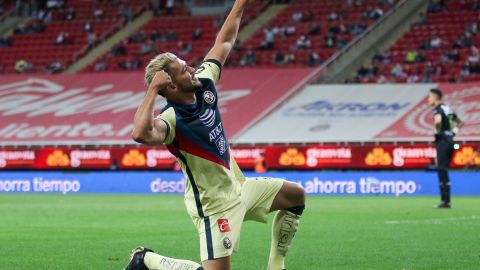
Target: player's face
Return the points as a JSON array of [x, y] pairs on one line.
[[184, 76], [432, 99]]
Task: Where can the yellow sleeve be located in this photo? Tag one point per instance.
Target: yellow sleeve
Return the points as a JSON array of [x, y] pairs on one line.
[[168, 116], [210, 69]]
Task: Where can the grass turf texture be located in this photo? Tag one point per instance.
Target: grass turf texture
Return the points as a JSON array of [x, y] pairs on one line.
[[98, 232]]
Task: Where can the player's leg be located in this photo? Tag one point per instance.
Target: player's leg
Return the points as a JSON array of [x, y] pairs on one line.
[[217, 264], [291, 195], [449, 157], [264, 195], [290, 202], [444, 154], [146, 259], [219, 236]]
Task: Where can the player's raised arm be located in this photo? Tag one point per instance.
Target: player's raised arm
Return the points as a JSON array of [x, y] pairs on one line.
[[228, 33], [147, 129]]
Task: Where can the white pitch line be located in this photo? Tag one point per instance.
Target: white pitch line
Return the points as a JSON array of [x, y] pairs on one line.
[[430, 221]]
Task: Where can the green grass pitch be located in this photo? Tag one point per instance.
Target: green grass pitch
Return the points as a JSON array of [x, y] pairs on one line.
[[98, 232]]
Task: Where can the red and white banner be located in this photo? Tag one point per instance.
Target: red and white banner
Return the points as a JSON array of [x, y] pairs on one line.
[[365, 113], [99, 108], [417, 124]]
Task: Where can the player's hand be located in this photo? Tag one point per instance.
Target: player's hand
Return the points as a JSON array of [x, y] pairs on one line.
[[160, 81]]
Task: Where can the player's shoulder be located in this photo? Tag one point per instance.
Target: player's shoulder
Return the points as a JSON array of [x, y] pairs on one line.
[[446, 109], [168, 114], [206, 83], [209, 69], [212, 63], [168, 109]]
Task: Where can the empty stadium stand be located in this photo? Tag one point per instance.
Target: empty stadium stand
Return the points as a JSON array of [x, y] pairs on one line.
[[5, 7], [439, 48], [337, 23], [137, 50], [36, 42], [328, 26]]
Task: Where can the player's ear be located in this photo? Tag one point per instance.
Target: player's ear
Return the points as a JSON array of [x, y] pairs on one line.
[[172, 87]]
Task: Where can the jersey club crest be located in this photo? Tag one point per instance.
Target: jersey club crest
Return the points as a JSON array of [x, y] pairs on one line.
[[209, 97]]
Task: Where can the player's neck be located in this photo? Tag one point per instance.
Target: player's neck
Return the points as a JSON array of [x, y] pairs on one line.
[[436, 103], [184, 99]]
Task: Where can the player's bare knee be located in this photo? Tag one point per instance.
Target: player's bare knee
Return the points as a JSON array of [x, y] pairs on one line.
[[296, 199], [296, 195], [217, 264], [212, 267], [300, 195]]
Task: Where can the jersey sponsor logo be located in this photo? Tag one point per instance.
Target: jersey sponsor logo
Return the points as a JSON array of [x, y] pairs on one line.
[[227, 243], [221, 145], [223, 225], [215, 132], [209, 97], [208, 117], [216, 135]]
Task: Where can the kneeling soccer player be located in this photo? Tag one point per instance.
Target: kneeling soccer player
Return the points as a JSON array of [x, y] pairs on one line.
[[217, 195]]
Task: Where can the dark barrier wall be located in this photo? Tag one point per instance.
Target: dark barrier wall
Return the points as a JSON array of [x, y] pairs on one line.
[[312, 157]]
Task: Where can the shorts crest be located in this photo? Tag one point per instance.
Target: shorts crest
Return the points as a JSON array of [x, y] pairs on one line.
[[227, 243]]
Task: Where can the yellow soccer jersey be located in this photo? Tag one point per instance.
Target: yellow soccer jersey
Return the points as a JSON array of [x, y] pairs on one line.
[[197, 138]]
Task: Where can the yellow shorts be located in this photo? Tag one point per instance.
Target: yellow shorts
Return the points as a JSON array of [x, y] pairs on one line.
[[220, 233]]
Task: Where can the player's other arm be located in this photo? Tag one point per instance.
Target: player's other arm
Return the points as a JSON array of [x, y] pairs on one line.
[[457, 121], [147, 129], [437, 121], [228, 33]]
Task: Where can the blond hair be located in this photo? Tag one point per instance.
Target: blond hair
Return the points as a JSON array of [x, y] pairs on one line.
[[160, 62]]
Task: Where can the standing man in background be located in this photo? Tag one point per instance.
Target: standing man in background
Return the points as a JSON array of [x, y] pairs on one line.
[[446, 124]]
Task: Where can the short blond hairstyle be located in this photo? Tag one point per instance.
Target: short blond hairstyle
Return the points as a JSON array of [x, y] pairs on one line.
[[160, 62]]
